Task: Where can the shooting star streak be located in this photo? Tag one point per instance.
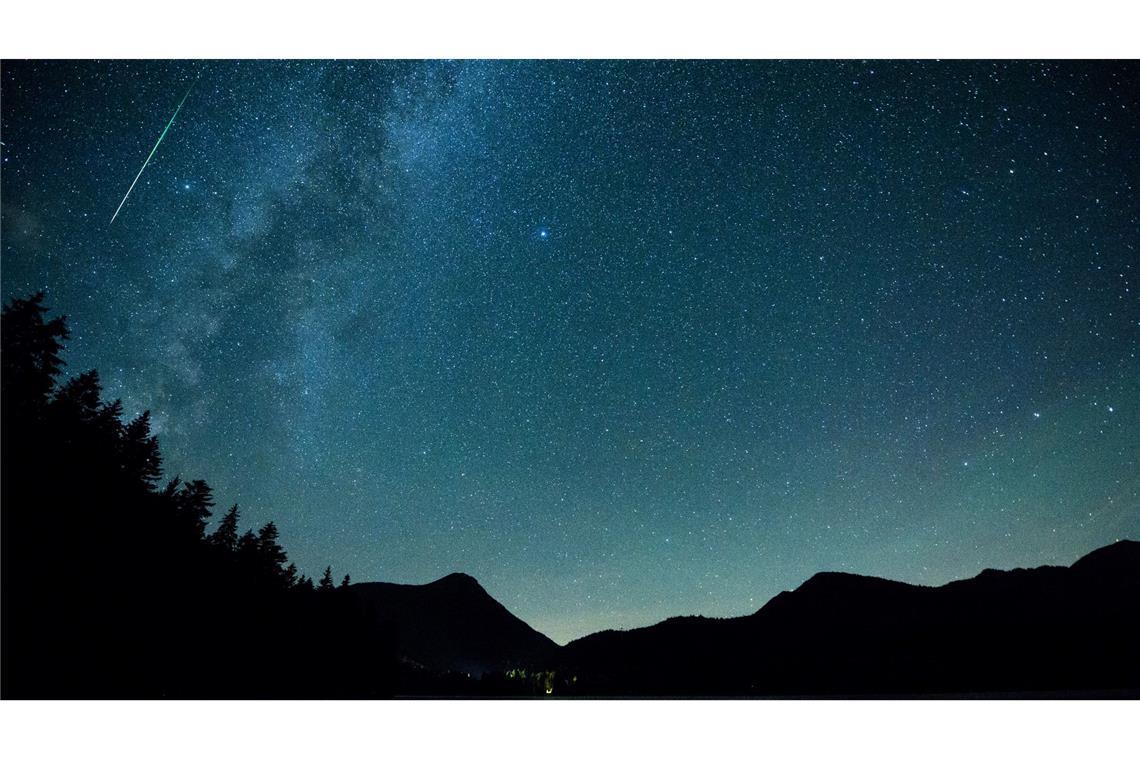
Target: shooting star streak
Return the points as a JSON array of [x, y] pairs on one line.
[[152, 150]]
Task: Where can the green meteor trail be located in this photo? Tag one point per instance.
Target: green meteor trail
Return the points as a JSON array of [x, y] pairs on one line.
[[152, 150]]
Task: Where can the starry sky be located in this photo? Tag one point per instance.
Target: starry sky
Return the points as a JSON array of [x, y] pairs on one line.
[[621, 339]]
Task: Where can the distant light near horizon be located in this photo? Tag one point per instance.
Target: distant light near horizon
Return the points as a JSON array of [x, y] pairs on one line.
[[621, 340]]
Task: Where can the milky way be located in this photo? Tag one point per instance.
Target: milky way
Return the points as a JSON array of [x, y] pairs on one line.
[[623, 340]]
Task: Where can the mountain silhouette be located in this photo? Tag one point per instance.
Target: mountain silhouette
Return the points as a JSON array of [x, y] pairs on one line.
[[1047, 630], [453, 624], [173, 605]]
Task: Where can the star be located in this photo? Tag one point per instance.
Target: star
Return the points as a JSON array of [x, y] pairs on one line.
[[569, 334]]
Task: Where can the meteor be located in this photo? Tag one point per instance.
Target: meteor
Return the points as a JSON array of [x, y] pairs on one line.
[[152, 150]]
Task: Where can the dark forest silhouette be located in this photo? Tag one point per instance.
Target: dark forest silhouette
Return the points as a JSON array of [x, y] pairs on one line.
[[113, 586]]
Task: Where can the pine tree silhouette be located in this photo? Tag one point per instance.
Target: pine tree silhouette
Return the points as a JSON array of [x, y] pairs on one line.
[[195, 503], [31, 359], [79, 397], [141, 458], [272, 557], [111, 586], [225, 536]]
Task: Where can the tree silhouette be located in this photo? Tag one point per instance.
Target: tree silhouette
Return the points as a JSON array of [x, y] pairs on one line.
[[140, 455], [272, 557], [248, 554], [79, 397], [345, 581], [31, 359], [225, 536], [112, 589], [195, 503], [111, 586]]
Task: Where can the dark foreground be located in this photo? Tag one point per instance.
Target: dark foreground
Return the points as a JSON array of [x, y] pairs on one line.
[[114, 588]]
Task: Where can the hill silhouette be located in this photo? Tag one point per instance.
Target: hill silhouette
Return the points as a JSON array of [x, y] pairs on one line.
[[1047, 630], [453, 624], [114, 588]]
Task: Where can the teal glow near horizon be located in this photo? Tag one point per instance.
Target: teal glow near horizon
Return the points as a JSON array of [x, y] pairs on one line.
[[621, 340]]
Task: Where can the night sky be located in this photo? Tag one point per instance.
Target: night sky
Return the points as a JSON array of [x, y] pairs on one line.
[[622, 340]]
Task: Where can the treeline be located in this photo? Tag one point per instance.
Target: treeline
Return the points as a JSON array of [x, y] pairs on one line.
[[113, 586]]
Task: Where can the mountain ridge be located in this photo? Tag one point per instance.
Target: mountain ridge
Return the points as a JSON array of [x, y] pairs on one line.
[[452, 624], [1021, 630], [829, 576]]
